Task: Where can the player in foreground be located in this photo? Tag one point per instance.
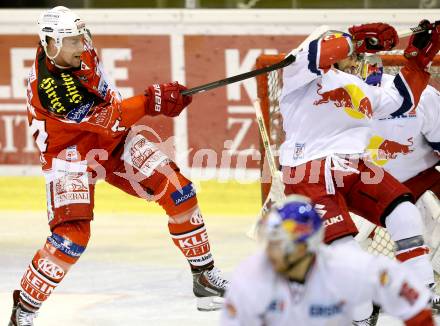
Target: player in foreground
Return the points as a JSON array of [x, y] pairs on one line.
[[327, 116], [297, 279], [82, 128]]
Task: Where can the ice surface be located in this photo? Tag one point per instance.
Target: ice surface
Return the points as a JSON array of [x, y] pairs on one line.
[[130, 274]]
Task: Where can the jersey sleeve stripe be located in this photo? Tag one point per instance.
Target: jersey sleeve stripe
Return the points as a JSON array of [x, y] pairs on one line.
[[313, 57], [405, 92], [435, 145]]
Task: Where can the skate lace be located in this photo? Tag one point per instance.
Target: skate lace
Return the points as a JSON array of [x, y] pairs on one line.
[[214, 277], [25, 318]]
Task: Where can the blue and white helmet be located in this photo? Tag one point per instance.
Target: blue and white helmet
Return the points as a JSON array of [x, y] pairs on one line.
[[293, 221]]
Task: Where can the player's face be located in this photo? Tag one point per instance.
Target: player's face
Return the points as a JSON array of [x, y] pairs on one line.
[[349, 65], [276, 252], [70, 53]]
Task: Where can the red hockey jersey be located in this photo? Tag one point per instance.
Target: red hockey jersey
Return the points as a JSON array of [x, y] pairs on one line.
[[73, 111]]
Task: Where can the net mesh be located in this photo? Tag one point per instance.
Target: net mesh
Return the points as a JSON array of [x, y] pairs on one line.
[[269, 91]]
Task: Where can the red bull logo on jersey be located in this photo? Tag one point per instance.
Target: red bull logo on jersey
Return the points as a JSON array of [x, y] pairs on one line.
[[381, 150], [349, 98]]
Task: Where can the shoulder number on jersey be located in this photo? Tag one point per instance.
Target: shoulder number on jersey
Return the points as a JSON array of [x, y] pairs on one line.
[[41, 138]]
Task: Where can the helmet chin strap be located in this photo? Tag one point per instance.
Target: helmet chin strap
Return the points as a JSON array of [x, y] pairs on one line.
[[52, 58]]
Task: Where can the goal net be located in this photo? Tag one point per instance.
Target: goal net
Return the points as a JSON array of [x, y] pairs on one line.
[[269, 89]]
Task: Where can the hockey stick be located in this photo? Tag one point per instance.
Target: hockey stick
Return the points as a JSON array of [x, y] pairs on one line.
[[261, 126], [265, 138], [222, 82], [276, 176], [289, 59], [409, 31], [418, 29]]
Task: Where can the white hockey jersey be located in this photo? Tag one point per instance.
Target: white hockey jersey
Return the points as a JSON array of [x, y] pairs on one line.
[[329, 112], [404, 145], [342, 278]]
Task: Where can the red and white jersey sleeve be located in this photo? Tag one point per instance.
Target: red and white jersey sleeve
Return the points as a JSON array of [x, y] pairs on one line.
[[341, 279], [405, 145]]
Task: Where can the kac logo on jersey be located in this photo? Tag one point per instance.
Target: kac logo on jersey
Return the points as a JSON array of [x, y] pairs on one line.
[[196, 218], [50, 269], [326, 310]]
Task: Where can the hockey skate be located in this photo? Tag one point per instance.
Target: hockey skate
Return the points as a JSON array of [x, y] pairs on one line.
[[370, 321], [435, 304], [209, 287], [435, 300], [20, 316]]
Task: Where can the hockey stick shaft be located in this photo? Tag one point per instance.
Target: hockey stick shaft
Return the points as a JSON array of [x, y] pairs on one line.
[[260, 120], [265, 138], [222, 82], [276, 177], [289, 59], [417, 29]]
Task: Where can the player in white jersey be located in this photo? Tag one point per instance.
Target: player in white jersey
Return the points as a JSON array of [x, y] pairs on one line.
[[407, 146], [297, 280], [327, 116]]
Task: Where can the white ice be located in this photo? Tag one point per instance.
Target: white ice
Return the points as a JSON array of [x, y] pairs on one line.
[[130, 274]]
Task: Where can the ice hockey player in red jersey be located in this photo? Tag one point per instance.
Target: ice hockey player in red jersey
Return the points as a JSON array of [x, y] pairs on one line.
[[82, 128], [297, 280], [327, 114]]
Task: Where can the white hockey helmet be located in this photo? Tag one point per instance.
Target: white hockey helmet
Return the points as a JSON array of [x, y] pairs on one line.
[[57, 23], [293, 221]]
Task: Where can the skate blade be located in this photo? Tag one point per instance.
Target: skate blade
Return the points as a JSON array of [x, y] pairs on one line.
[[210, 303]]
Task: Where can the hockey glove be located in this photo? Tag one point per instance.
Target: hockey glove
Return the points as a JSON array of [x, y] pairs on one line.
[[373, 37], [422, 47], [166, 99]]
